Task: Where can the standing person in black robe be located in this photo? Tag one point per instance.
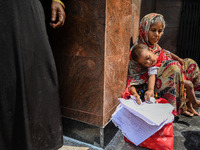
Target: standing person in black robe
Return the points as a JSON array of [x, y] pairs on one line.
[[30, 116]]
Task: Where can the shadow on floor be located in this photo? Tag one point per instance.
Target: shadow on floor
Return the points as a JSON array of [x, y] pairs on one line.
[[192, 140]]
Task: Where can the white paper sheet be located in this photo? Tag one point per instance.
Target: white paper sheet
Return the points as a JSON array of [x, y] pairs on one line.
[[153, 114]]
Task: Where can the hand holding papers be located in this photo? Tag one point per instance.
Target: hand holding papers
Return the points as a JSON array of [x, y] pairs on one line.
[[153, 114], [152, 100], [138, 122]]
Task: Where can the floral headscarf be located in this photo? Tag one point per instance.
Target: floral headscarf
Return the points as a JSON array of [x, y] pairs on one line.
[[144, 26]]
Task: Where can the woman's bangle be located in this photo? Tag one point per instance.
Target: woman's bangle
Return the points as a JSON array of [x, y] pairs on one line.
[[59, 1]]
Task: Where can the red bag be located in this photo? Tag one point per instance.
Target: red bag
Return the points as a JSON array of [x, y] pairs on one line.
[[162, 139]]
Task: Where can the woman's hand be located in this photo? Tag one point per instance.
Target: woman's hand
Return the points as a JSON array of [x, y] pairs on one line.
[[57, 15], [175, 57], [148, 94], [181, 61]]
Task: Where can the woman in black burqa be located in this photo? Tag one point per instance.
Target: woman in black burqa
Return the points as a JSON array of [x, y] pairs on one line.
[[29, 100]]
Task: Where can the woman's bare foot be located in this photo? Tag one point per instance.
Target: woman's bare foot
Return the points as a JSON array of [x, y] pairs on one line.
[[187, 113], [192, 110]]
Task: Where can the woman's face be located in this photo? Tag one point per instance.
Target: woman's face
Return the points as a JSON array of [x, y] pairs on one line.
[[155, 33]]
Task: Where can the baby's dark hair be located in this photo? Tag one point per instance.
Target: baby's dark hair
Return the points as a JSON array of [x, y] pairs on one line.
[[136, 51]]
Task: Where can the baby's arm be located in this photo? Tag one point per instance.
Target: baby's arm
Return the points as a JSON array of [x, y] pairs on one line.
[[133, 92], [151, 83]]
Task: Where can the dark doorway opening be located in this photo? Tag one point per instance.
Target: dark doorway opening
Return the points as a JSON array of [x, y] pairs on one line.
[[188, 45]]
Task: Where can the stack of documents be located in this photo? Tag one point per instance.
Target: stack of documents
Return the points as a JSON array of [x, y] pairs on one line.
[[138, 122]]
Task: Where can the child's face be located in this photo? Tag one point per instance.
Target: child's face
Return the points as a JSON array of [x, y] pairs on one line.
[[147, 58], [155, 33]]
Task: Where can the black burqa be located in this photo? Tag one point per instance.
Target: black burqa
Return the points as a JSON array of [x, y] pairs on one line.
[[29, 100]]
